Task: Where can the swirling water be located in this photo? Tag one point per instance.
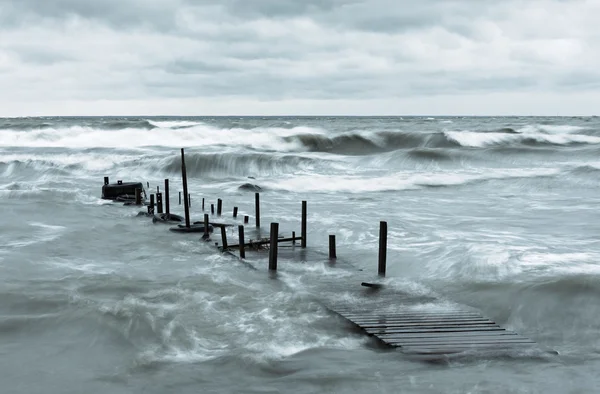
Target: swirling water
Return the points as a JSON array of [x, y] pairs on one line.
[[500, 214]]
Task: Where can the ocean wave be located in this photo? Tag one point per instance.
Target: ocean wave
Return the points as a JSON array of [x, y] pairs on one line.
[[368, 142], [472, 139], [236, 164], [401, 180]]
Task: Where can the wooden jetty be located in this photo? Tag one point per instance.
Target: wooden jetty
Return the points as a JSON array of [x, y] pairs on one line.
[[416, 325]]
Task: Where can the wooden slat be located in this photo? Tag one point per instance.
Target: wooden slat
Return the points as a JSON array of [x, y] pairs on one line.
[[405, 315], [389, 323], [422, 327], [461, 341], [461, 348], [463, 334], [417, 319], [384, 326], [453, 329]]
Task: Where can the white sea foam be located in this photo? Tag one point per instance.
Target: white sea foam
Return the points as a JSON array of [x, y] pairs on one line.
[[267, 138], [481, 140], [173, 124], [399, 181]]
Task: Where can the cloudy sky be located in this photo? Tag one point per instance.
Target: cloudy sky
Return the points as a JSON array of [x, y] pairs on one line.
[[278, 57]]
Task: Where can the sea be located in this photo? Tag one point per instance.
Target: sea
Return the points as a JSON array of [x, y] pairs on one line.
[[499, 214]]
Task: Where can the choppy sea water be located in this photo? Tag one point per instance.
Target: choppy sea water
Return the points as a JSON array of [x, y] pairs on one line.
[[500, 214]]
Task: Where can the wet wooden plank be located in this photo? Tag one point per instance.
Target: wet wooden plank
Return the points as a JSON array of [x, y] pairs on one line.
[[453, 329], [386, 323], [384, 326], [462, 334], [418, 319], [405, 315], [460, 341]]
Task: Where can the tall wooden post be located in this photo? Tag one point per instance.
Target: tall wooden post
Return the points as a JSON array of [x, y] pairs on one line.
[[138, 196], [273, 247], [167, 209], [186, 205], [159, 203], [202, 204], [241, 242], [382, 248], [224, 238], [235, 209], [332, 254], [205, 236], [257, 208], [212, 209], [190, 200], [219, 206], [106, 180], [151, 206], [246, 219], [303, 227], [179, 198]]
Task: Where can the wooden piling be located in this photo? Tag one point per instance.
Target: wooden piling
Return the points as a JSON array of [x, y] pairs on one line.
[[332, 254], [246, 219], [179, 198], [202, 204], [186, 205], [382, 248], [241, 242], [159, 203], [303, 228], [138, 196], [151, 206], [167, 208], [257, 208], [293, 238], [106, 181], [273, 247], [219, 206], [224, 238], [235, 210], [206, 235], [212, 209]]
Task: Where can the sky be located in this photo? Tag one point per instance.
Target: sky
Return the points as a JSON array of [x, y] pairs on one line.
[[299, 57]]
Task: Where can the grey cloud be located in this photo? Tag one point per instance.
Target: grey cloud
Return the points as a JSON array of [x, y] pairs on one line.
[[292, 49]]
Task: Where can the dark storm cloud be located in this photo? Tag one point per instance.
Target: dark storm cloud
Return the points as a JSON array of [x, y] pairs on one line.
[[293, 50]]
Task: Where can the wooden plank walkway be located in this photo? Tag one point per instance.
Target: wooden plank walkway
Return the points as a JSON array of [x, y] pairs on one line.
[[416, 325]]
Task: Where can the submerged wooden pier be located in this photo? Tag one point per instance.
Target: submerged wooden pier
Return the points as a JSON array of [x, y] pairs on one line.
[[415, 325]]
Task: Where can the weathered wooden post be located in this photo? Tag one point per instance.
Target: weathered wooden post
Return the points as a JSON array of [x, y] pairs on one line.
[[206, 235], [212, 209], [219, 206], [273, 247], [167, 209], [293, 238], [235, 209], [179, 198], [246, 219], [224, 238], [257, 208], [186, 205], [106, 180], [241, 242], [202, 204], [159, 203], [303, 227], [151, 206], [148, 185], [382, 248], [138, 196], [332, 254]]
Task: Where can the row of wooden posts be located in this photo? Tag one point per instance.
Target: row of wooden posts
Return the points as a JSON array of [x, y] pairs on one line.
[[274, 239]]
